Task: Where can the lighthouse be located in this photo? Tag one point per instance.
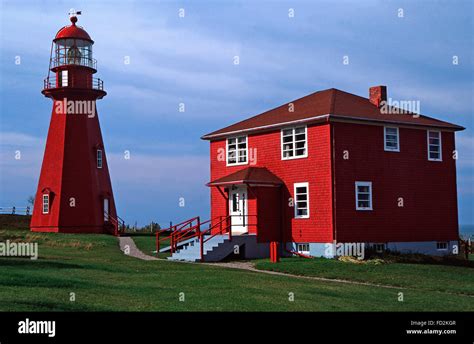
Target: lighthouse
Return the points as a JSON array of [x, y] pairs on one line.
[[74, 192]]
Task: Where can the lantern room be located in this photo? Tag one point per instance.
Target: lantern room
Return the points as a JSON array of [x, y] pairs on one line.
[[72, 63], [73, 46]]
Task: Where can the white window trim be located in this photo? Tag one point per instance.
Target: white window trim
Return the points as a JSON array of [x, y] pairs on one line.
[[302, 251], [45, 196], [294, 148], [442, 242], [237, 150], [388, 149], [295, 185], [64, 78], [369, 184], [440, 145], [101, 158]]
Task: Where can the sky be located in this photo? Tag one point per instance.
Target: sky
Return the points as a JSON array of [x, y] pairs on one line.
[[152, 59]]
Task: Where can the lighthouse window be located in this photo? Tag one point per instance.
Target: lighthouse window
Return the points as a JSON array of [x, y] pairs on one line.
[[301, 200], [73, 55], [434, 146], [63, 78], [237, 150], [363, 195], [99, 158], [293, 143], [45, 204]]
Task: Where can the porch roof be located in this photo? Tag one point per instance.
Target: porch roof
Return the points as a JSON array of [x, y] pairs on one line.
[[249, 175]]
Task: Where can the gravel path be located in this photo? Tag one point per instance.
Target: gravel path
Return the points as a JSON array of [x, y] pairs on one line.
[[128, 247]]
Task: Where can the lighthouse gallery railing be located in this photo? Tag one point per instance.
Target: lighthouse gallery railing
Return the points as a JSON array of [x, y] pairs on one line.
[[93, 83]]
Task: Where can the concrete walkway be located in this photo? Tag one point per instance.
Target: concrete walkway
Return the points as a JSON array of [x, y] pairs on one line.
[[128, 247]]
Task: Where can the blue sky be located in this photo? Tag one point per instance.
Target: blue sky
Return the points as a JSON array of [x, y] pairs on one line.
[[190, 60]]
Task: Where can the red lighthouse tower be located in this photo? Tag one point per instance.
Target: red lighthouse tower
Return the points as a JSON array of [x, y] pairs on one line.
[[74, 192]]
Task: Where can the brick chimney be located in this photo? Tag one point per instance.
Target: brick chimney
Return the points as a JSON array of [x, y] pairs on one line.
[[377, 94]]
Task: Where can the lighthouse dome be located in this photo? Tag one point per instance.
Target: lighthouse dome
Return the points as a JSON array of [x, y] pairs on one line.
[[73, 31]]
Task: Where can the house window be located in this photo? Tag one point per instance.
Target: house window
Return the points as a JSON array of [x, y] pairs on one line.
[[99, 158], [391, 141], [442, 246], [293, 143], [303, 248], [379, 248], [363, 191], [237, 150], [301, 200], [434, 145], [45, 204]]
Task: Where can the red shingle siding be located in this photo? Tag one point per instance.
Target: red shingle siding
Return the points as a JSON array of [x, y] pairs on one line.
[[428, 188], [315, 169]]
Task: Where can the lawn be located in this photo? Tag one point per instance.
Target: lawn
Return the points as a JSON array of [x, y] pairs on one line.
[[101, 277], [441, 278], [147, 244]]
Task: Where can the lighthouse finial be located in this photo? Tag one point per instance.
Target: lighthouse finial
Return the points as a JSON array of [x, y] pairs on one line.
[[73, 15]]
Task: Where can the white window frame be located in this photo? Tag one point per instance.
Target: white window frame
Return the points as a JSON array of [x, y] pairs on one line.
[[389, 149], [45, 204], [305, 155], [369, 184], [440, 145], [236, 163], [64, 78], [295, 200], [100, 160], [442, 242], [300, 248]]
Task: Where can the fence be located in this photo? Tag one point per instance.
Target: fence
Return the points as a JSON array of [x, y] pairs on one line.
[[15, 210]]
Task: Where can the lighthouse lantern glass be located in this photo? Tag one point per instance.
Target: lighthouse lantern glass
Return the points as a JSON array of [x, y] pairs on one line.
[[73, 51]]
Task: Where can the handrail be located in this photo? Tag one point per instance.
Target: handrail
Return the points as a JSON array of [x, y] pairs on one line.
[[65, 60], [52, 82], [116, 222]]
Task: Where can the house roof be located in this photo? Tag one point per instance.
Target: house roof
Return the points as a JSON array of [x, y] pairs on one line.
[[328, 105], [249, 175]]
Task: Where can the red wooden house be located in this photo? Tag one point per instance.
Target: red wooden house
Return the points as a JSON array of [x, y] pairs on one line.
[[334, 167]]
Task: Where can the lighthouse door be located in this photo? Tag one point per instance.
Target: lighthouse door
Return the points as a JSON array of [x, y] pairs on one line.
[[106, 209], [238, 210]]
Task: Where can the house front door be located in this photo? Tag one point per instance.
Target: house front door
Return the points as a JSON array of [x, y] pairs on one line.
[[238, 209]]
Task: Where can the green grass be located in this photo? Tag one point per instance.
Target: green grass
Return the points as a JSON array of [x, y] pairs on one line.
[[441, 278], [147, 244], [103, 278]]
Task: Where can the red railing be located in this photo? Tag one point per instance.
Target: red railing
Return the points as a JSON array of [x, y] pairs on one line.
[[192, 228], [177, 233], [118, 223], [91, 83]]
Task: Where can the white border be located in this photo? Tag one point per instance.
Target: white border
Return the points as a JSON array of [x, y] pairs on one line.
[[42, 204], [293, 128], [440, 144], [101, 158], [237, 150], [387, 149], [369, 184], [295, 185]]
